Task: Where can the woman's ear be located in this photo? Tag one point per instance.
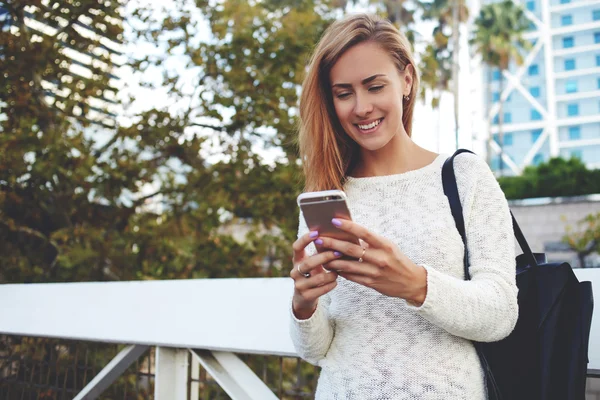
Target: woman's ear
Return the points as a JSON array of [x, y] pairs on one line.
[[408, 79]]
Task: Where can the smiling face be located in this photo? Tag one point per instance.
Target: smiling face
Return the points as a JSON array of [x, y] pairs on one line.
[[367, 90]]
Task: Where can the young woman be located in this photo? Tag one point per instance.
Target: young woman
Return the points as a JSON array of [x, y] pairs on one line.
[[399, 322]]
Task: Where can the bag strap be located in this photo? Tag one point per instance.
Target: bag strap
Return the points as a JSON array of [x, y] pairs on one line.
[[451, 191]]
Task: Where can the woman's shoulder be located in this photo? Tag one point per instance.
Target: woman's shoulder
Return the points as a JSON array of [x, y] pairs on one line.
[[471, 168]]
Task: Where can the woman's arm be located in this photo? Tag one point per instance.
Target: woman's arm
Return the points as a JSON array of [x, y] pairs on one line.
[[312, 336], [484, 308]]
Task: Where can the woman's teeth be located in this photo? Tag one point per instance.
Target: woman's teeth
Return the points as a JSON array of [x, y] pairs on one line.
[[371, 125]]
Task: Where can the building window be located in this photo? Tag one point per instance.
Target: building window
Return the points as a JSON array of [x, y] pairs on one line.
[[535, 115], [568, 42], [569, 64], [596, 37], [496, 75], [598, 61], [535, 135], [495, 96], [571, 86], [507, 118], [566, 20], [574, 133], [508, 139], [572, 110], [538, 159], [531, 5], [576, 154], [535, 91], [598, 83], [533, 70], [596, 15], [565, 1], [495, 121]]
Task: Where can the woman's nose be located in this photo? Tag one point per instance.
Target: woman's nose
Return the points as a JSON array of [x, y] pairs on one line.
[[363, 107]]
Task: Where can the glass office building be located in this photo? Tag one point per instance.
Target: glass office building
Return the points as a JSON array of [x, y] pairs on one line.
[[552, 101]]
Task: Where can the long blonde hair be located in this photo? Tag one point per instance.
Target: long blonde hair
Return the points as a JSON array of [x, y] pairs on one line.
[[327, 152]]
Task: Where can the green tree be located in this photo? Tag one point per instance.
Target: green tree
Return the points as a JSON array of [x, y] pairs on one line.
[[448, 15], [498, 39], [435, 68], [555, 178], [46, 167], [585, 240], [145, 204]]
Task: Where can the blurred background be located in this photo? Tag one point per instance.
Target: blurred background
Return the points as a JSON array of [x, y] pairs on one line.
[[155, 140]]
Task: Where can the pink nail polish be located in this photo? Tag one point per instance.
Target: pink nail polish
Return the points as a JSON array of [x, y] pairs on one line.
[[336, 222], [319, 242], [313, 234]]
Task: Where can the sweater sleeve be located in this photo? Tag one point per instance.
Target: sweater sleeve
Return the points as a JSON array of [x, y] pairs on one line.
[[485, 308], [312, 337]]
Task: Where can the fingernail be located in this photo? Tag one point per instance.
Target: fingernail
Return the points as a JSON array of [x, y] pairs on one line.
[[314, 234], [336, 222], [337, 253], [319, 241]]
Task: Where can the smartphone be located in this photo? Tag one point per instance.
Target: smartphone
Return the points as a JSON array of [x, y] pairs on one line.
[[319, 208]]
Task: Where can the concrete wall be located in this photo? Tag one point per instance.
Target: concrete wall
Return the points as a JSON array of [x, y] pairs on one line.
[[544, 222]]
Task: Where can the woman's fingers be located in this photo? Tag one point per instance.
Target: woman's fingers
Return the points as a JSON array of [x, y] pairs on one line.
[[360, 232], [308, 265], [316, 292], [315, 280], [344, 267], [301, 243], [344, 247]]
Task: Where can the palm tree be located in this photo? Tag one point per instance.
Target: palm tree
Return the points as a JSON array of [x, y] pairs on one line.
[[435, 67], [448, 14], [498, 39]]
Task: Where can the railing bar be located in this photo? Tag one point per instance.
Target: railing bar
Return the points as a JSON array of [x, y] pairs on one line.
[[65, 380], [48, 363], [75, 366], [56, 374], [280, 388], [85, 366], [137, 378], [204, 385]]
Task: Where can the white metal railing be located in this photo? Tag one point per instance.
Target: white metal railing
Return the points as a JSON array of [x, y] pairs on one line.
[[218, 316]]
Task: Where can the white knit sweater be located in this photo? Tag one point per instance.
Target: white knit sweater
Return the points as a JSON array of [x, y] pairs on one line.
[[370, 346]]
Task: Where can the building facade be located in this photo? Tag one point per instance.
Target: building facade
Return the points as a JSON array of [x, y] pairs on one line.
[[551, 102]]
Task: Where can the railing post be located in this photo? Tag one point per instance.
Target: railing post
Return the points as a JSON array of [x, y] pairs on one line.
[[171, 379], [195, 385]]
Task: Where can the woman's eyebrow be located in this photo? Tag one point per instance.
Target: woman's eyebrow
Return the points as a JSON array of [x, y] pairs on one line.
[[364, 81]]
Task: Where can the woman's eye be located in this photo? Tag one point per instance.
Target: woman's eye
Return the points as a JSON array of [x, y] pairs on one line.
[[375, 89], [342, 95]]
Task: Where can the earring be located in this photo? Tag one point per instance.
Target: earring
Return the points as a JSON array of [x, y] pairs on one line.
[[406, 97]]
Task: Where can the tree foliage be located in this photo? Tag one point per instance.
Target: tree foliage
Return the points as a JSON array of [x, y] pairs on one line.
[[554, 178], [585, 239], [145, 204]]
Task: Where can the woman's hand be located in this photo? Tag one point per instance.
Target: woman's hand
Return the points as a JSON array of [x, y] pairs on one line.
[[311, 281], [383, 266]]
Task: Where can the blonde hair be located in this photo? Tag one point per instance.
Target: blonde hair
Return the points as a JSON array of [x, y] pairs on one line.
[[327, 152]]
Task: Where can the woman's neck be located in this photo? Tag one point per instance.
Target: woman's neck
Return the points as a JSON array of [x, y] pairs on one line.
[[400, 155]]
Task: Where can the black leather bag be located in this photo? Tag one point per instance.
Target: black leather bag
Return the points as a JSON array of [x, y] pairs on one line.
[[546, 355]]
